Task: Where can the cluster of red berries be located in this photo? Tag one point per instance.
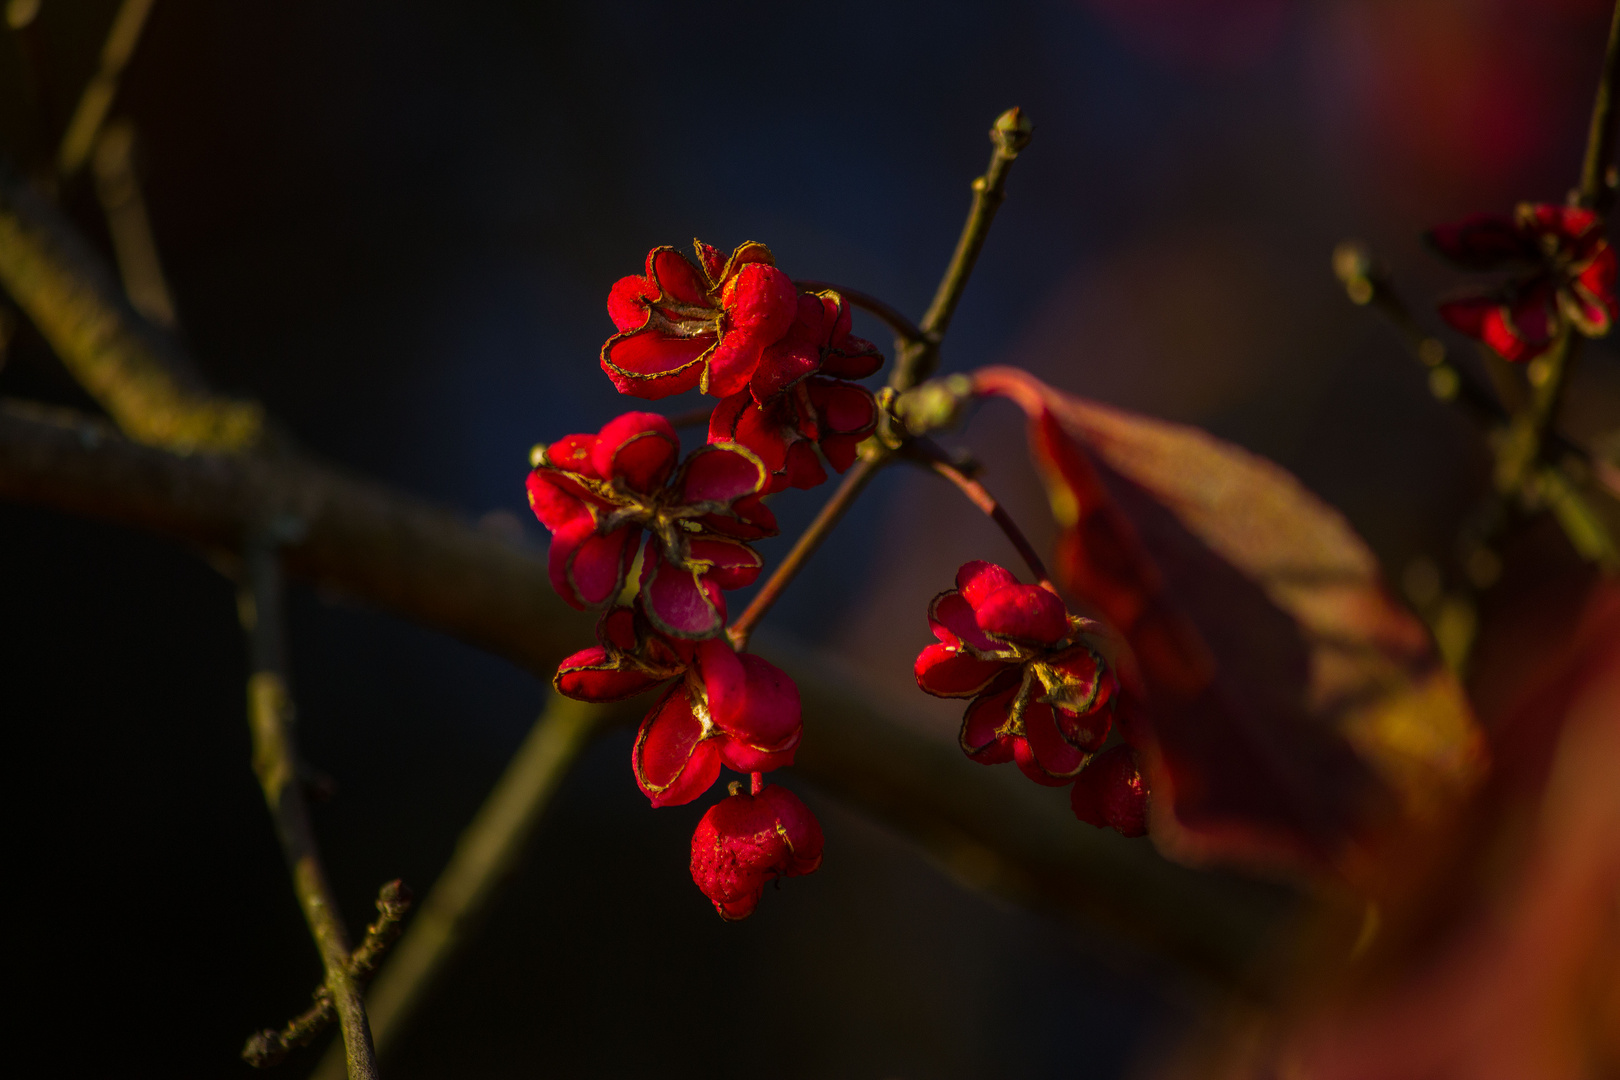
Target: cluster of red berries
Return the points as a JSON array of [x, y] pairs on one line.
[[655, 540], [1041, 696]]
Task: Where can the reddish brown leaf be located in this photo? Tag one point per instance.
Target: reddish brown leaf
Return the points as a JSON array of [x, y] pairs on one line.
[[1296, 708]]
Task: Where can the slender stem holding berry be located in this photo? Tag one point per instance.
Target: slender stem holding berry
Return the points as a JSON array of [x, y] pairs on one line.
[[919, 359], [854, 483], [1595, 191], [275, 761], [903, 328], [980, 496]]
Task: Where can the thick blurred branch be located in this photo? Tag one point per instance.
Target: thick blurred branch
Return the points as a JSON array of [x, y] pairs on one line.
[[275, 762], [143, 380], [399, 554]]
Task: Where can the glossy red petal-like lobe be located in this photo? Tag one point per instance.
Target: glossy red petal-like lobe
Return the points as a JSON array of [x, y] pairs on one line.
[[950, 611], [1087, 730], [725, 679], [572, 453], [1052, 760], [639, 448], [978, 579], [555, 507], [765, 713], [750, 519], [651, 364], [628, 302], [709, 257], [980, 723], [731, 364], [1077, 680], [844, 407], [565, 542], [673, 759], [802, 469], [855, 358], [782, 365], [760, 301], [1112, 793], [944, 671], [793, 357], [616, 629], [676, 601], [597, 566], [730, 565], [1026, 613], [743, 758], [721, 473], [591, 675], [1483, 241], [676, 277]]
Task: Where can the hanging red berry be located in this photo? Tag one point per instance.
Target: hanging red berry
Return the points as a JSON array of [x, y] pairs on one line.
[[746, 840]]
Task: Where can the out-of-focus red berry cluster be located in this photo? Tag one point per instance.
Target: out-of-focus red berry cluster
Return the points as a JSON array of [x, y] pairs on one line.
[[1560, 277]]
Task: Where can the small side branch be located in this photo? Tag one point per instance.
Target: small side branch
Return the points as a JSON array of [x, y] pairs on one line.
[[1008, 136], [275, 761], [484, 858], [269, 1047]]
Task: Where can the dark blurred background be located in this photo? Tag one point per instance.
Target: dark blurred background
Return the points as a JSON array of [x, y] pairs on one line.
[[396, 225]]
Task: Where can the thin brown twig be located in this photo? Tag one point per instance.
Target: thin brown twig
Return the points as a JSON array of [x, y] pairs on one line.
[[904, 329], [832, 511], [275, 761], [980, 497], [1009, 135], [484, 858], [270, 1047]]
